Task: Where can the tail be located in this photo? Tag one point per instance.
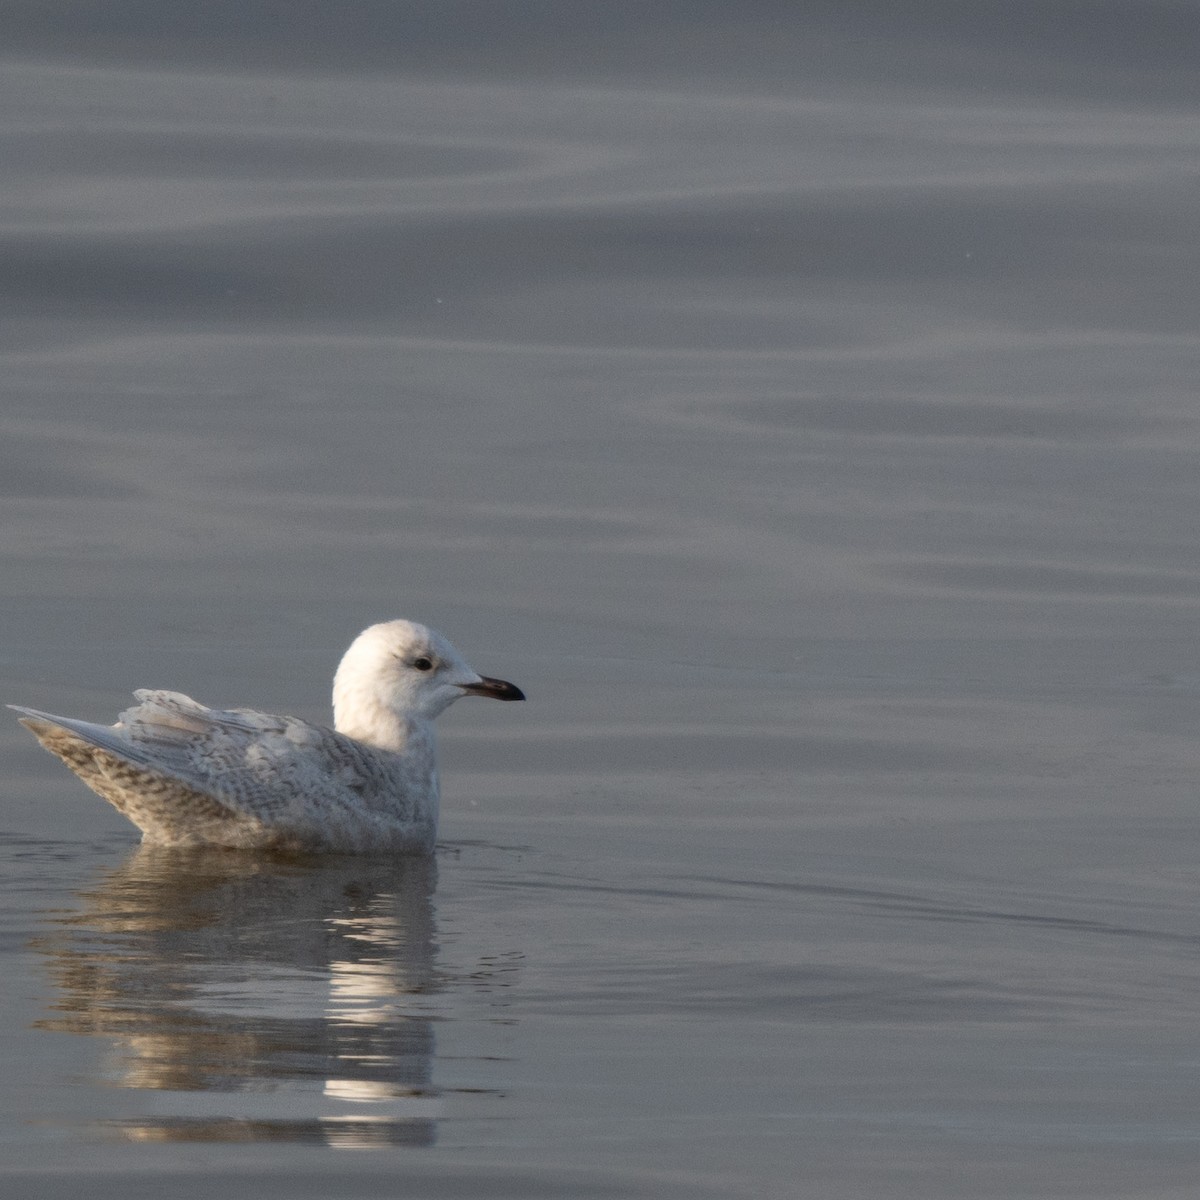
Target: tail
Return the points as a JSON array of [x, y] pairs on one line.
[[54, 731]]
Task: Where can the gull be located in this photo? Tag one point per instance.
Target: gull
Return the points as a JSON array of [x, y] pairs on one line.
[[187, 775]]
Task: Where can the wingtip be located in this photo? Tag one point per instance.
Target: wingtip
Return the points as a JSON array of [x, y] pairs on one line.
[[29, 717]]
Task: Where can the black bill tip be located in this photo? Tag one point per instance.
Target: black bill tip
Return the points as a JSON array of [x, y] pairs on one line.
[[496, 689]]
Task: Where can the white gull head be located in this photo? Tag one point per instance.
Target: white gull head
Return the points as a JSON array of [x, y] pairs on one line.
[[398, 674]]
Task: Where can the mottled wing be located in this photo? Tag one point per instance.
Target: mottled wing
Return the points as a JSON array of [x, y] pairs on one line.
[[177, 768], [261, 764]]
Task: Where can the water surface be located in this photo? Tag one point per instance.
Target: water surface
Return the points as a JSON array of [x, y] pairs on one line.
[[800, 409]]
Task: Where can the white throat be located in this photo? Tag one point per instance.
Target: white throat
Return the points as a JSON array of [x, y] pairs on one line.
[[360, 715], [372, 724]]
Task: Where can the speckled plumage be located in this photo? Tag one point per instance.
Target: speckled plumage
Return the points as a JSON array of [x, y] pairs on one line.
[[188, 775]]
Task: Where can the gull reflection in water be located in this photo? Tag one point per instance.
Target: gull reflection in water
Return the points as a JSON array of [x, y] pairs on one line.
[[257, 999]]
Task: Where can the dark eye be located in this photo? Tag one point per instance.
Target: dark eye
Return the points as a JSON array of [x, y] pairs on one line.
[[423, 663]]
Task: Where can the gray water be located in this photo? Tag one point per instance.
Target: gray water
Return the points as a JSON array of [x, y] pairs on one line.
[[801, 408]]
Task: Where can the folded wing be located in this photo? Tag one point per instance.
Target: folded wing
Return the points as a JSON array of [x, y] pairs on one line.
[[188, 774]]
